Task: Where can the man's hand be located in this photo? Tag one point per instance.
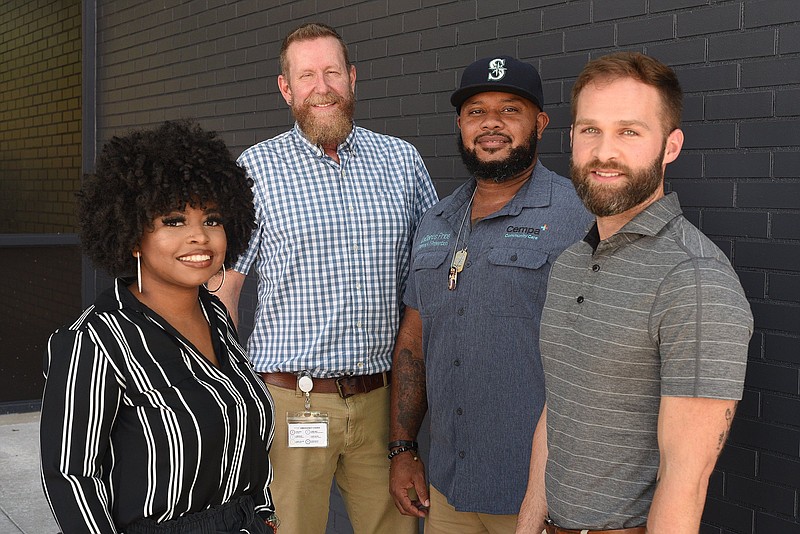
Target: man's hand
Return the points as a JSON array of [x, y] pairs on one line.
[[408, 406], [407, 472]]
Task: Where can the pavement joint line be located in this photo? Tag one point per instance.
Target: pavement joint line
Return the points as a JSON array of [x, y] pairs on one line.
[[11, 519]]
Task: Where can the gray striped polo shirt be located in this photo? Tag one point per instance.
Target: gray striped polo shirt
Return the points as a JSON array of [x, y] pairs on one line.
[[656, 309]]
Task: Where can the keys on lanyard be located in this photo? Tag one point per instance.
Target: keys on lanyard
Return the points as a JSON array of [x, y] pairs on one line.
[[456, 266], [459, 256]]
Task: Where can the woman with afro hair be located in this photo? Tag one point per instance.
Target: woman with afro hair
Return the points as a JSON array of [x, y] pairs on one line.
[[153, 420]]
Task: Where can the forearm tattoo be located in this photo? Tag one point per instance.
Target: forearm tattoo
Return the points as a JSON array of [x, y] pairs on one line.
[[411, 392]]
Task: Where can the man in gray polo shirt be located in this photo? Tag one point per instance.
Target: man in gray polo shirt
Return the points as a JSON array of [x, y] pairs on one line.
[[645, 329], [469, 337]]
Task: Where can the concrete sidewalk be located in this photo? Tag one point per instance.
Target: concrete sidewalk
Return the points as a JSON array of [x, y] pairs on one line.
[[23, 508]]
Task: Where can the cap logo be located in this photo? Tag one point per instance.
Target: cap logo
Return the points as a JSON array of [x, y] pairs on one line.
[[497, 69]]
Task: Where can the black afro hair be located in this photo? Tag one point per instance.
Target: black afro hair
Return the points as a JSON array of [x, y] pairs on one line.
[[151, 172]]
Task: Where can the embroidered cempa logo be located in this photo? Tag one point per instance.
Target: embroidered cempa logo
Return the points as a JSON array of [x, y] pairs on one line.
[[525, 232], [497, 69]]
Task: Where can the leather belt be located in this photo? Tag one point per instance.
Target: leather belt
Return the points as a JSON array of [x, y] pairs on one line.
[[552, 529], [345, 386]]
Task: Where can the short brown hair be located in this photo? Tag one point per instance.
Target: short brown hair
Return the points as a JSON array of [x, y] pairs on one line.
[[309, 32], [639, 67]]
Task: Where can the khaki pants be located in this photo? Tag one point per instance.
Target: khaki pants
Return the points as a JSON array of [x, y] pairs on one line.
[[358, 432], [444, 519]]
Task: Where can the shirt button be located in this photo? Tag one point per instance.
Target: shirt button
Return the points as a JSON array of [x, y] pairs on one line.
[[461, 311], [595, 267], [513, 257], [459, 411], [358, 286], [355, 248], [461, 454], [358, 324], [360, 364], [580, 299], [456, 362], [468, 264]]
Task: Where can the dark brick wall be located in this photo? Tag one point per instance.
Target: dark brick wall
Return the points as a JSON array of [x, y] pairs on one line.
[[41, 292], [40, 168], [40, 115], [738, 178]]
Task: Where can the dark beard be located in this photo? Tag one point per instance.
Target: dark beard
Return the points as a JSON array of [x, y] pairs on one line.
[[330, 132], [519, 159], [605, 201]]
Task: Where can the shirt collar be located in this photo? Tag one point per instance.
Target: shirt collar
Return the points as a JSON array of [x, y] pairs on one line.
[[348, 145], [119, 297], [654, 217], [649, 222], [534, 193]]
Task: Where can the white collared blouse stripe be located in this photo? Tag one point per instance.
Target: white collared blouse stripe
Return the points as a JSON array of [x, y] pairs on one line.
[[136, 423]]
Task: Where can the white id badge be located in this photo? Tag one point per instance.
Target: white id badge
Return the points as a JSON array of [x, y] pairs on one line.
[[307, 429]]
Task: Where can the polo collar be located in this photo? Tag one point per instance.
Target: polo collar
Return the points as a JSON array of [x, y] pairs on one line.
[[650, 222], [654, 217]]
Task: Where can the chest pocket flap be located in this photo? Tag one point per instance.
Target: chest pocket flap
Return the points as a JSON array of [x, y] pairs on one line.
[[514, 257], [430, 259]]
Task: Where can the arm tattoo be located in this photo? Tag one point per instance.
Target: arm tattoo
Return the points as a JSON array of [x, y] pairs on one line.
[[409, 379], [723, 437]]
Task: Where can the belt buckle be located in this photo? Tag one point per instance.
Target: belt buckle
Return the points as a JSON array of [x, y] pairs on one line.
[[342, 394]]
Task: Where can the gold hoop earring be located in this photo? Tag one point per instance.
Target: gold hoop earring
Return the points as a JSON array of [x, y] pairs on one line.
[[220, 284], [139, 271]]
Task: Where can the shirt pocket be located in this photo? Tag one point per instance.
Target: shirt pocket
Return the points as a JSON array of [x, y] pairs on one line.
[[149, 383], [519, 278], [431, 280]]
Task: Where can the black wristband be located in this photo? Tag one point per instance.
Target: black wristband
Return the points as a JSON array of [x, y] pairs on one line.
[[400, 450], [404, 443]]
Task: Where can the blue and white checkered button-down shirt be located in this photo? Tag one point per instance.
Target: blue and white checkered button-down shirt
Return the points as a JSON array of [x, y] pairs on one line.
[[332, 250]]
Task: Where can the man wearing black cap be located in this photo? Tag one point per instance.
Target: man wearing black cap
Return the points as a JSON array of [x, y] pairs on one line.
[[468, 345]]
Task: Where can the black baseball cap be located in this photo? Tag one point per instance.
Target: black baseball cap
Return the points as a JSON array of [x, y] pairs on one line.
[[499, 73]]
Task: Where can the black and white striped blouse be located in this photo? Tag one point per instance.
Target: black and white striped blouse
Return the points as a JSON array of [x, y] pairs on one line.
[[136, 423]]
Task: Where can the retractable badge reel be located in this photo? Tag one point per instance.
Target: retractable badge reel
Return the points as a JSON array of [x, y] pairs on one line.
[[306, 384], [307, 429]]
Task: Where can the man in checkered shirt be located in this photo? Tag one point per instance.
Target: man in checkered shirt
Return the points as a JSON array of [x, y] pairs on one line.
[[337, 207]]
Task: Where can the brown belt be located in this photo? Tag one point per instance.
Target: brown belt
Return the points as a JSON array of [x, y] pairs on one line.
[[345, 386], [552, 529]]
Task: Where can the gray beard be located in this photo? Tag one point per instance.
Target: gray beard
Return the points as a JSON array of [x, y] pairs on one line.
[[331, 132]]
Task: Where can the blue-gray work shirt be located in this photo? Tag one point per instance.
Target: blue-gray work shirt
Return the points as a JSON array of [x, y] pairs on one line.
[[481, 341]]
